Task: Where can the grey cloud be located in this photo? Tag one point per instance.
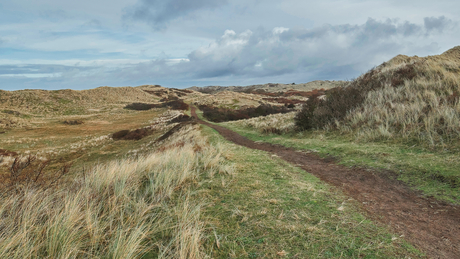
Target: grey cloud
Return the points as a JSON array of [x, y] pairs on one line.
[[439, 23], [159, 13], [327, 50]]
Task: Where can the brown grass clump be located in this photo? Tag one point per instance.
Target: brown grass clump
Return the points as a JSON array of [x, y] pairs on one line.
[[408, 98], [176, 104], [221, 114], [4, 152], [136, 134], [29, 172], [130, 208], [73, 122]]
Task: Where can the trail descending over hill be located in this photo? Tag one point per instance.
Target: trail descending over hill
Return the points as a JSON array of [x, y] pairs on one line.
[[432, 226]]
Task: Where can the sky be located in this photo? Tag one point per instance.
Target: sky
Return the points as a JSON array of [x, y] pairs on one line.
[[56, 44]]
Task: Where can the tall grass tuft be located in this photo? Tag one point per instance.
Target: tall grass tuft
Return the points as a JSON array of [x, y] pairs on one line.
[[122, 209]]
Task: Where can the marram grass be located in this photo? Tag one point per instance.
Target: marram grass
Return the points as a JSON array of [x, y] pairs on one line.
[[121, 209]]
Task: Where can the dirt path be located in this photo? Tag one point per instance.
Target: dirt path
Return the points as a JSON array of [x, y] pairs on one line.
[[432, 226]]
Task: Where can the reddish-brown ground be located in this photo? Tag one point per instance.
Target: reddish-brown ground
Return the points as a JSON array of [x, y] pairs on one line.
[[432, 226]]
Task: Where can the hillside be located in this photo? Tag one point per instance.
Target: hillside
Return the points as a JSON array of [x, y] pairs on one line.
[[24, 108], [412, 99], [270, 88], [44, 102]]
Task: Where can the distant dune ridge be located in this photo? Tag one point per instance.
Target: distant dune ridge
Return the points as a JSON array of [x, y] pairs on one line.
[[16, 107], [270, 87]]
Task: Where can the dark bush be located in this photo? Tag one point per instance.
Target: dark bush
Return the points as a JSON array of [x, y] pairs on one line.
[[137, 134], [120, 134], [317, 113], [73, 122], [131, 135], [220, 114], [175, 105], [181, 118], [140, 106]]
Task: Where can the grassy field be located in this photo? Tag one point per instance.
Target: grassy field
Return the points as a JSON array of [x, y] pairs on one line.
[[270, 209], [432, 172], [81, 144]]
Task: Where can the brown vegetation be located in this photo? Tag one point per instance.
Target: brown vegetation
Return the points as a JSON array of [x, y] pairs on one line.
[[136, 134], [221, 114], [175, 105], [283, 101], [73, 122], [410, 98]]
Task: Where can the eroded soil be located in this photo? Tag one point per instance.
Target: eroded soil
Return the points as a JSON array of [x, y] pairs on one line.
[[432, 226]]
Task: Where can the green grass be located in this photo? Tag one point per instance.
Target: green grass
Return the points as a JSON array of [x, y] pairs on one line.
[[270, 209], [434, 173]]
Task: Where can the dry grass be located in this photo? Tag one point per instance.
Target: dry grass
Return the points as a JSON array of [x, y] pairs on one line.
[[120, 209], [226, 99], [274, 123], [425, 109], [8, 121], [409, 99]]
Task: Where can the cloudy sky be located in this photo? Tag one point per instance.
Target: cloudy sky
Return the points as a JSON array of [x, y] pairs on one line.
[[56, 44]]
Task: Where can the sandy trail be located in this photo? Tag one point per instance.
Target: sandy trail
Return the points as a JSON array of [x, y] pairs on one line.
[[432, 226]]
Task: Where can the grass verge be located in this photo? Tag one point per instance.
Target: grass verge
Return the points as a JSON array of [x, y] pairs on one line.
[[434, 173], [270, 209]]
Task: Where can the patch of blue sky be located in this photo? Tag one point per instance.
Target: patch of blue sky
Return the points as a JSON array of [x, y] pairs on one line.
[[84, 54]]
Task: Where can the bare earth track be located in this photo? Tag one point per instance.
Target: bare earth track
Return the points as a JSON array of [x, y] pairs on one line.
[[432, 226]]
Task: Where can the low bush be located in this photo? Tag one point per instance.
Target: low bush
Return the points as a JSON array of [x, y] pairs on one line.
[[131, 135], [341, 100], [140, 106], [221, 114], [73, 122], [283, 101], [175, 105], [181, 118]]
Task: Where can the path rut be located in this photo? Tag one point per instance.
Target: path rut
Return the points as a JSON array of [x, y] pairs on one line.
[[430, 225]]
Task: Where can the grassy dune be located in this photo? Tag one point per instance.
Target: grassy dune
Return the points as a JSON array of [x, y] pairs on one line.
[[120, 209], [411, 100]]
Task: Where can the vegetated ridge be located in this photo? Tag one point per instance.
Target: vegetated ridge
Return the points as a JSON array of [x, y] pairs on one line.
[[413, 99], [270, 87]]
